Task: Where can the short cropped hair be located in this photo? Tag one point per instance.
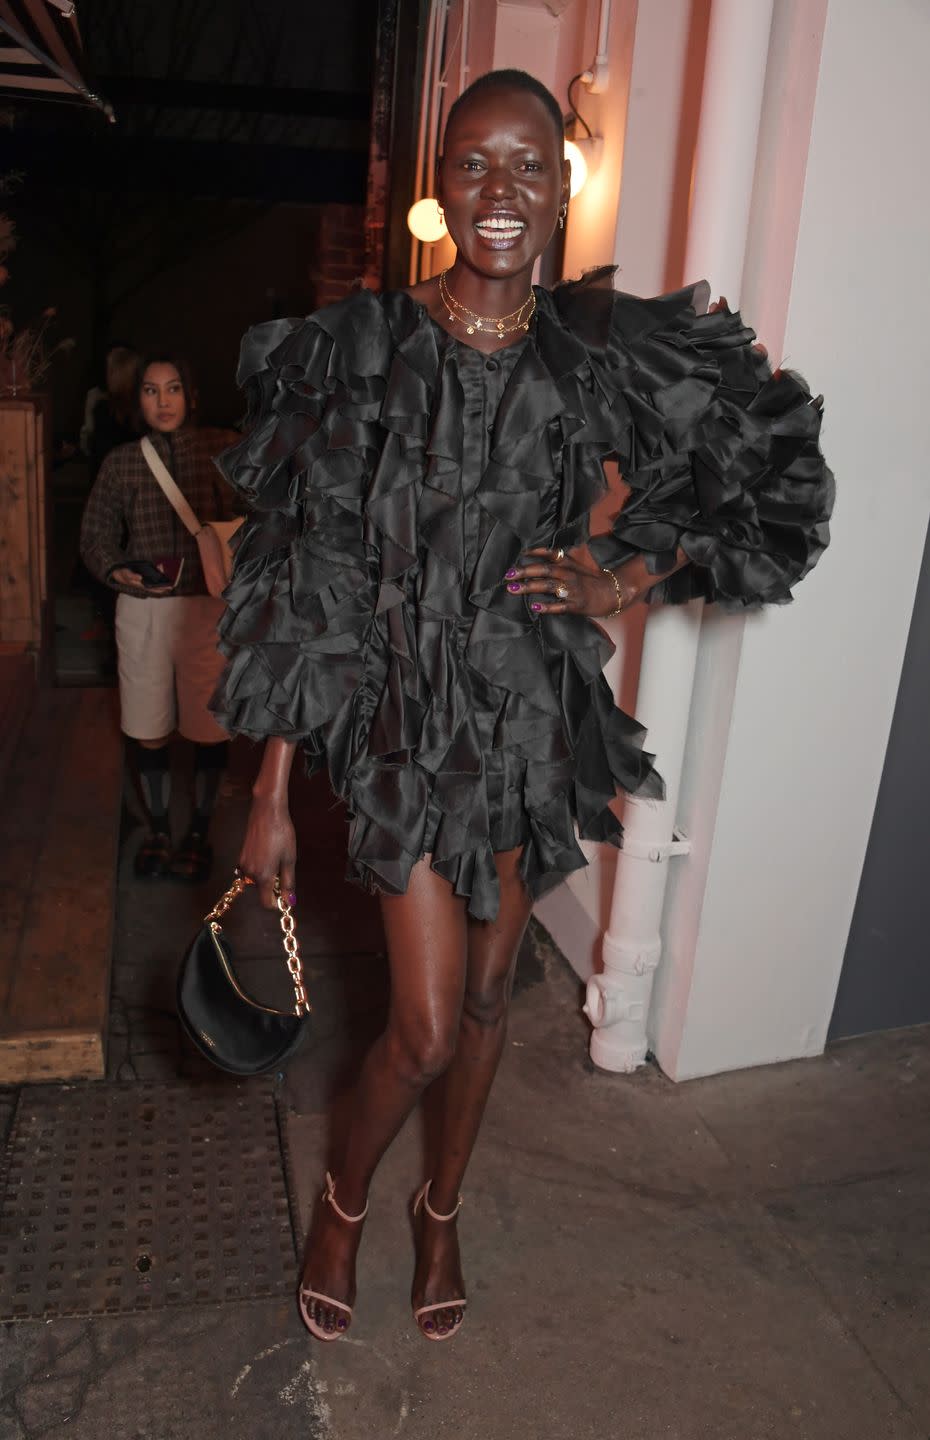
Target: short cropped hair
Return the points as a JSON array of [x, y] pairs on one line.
[[512, 80]]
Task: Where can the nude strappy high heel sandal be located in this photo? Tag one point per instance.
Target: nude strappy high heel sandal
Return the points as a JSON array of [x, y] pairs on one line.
[[306, 1295], [422, 1198]]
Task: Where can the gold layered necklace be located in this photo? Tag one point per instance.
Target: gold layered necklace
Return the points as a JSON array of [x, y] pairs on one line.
[[496, 325]]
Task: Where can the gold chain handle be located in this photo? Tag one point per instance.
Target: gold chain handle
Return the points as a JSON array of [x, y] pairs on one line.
[[288, 929], [222, 905], [292, 952]]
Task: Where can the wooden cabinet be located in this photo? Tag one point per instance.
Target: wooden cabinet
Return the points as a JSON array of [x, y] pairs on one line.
[[23, 521]]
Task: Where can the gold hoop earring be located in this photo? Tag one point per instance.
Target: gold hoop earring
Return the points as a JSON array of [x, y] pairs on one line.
[[562, 214]]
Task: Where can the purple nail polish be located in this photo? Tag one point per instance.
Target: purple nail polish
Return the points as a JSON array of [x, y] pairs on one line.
[[535, 605], [514, 589], [510, 574], [427, 1324], [341, 1323], [292, 898]]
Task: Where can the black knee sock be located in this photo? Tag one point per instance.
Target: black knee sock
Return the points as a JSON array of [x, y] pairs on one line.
[[154, 770], [209, 764]]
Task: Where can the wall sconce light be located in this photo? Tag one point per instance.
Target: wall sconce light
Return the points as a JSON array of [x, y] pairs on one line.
[[425, 221], [583, 150], [575, 156]]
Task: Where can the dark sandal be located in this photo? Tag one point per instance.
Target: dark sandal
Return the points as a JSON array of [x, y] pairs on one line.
[[153, 855], [193, 859]]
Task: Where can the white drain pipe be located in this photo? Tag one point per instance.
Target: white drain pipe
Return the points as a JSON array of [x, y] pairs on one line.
[[617, 1002], [618, 998]]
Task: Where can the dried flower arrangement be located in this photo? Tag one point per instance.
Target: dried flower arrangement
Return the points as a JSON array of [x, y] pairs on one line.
[[25, 354]]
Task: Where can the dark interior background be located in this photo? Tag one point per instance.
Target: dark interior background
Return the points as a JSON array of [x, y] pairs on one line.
[[197, 213]]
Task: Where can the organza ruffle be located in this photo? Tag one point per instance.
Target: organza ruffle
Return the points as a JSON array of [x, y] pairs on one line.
[[354, 626], [722, 456]]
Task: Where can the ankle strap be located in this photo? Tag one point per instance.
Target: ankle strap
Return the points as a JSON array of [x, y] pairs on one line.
[[329, 1195], [434, 1214]]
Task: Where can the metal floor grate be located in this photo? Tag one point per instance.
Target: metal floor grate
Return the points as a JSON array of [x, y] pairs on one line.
[[135, 1197]]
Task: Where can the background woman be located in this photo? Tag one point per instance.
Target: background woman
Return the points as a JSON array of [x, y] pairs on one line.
[[110, 413], [166, 641], [414, 605]]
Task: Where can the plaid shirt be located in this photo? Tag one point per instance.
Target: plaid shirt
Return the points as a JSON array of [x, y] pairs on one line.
[[128, 517]]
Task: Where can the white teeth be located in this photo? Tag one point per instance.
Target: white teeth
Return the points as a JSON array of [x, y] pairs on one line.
[[500, 227]]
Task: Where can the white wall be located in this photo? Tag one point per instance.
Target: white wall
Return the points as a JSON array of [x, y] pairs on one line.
[[761, 252], [817, 681], [795, 47]]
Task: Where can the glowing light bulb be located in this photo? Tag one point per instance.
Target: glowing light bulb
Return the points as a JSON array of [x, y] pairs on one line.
[[425, 222], [579, 166]]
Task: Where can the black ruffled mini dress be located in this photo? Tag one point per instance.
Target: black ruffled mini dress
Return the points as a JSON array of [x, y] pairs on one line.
[[394, 475]]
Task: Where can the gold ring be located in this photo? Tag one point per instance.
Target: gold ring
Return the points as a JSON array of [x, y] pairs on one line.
[[562, 591]]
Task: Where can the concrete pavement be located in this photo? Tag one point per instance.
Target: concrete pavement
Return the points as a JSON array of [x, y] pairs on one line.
[[740, 1258]]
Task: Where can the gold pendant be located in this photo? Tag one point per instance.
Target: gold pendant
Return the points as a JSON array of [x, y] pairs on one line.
[[471, 329]]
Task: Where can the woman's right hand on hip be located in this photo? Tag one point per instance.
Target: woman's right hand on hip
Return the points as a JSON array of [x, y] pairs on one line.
[[270, 849]]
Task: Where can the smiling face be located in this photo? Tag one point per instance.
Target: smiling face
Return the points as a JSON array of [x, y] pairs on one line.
[[162, 399], [501, 181]]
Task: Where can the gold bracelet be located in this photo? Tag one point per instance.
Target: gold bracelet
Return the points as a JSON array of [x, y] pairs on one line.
[[616, 579]]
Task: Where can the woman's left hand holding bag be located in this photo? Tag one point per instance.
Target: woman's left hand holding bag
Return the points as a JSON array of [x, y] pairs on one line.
[[269, 850]]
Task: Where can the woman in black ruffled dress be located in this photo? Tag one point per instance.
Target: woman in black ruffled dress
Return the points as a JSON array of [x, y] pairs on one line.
[[415, 603]]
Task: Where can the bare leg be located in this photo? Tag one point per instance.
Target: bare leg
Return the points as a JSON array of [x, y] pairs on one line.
[[461, 1094], [427, 948]]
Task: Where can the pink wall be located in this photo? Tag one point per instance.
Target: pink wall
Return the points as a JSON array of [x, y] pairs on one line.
[[592, 220]]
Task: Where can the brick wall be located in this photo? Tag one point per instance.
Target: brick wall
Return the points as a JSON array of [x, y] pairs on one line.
[[340, 265]]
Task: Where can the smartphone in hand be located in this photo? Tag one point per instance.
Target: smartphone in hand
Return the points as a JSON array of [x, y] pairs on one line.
[[154, 578]]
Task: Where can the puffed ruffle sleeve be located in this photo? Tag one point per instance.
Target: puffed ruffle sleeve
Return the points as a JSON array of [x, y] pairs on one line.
[[302, 592], [721, 455]]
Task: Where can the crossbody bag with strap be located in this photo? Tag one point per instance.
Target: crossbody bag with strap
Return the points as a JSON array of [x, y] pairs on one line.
[[212, 538]]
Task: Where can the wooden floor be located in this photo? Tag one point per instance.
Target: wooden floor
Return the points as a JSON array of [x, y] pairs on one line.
[[17, 688], [59, 824]]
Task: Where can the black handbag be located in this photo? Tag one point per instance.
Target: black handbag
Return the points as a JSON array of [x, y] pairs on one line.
[[231, 1029]]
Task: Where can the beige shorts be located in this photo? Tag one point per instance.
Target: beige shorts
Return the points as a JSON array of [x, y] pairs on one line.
[[169, 666]]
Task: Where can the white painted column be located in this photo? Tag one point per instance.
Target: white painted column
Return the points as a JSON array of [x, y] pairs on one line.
[[618, 998], [725, 157], [755, 945]]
